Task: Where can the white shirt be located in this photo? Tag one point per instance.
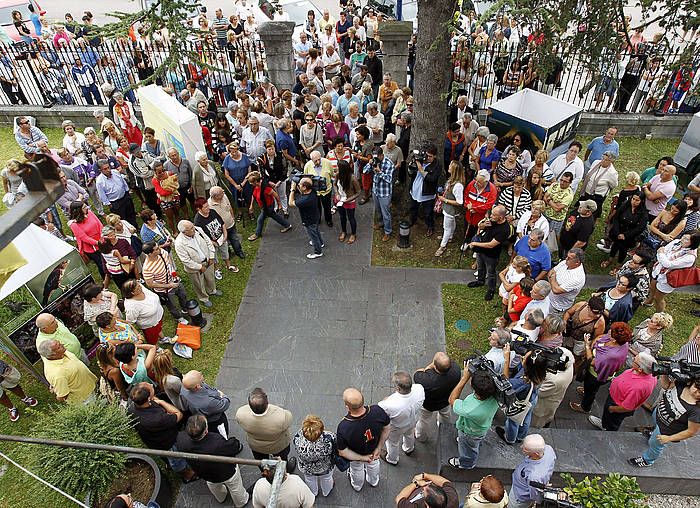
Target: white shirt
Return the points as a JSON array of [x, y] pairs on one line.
[[542, 223], [560, 166], [145, 313], [293, 493], [543, 305], [403, 409], [571, 281], [495, 354]]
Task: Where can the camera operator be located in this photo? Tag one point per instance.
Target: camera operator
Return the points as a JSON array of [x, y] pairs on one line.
[[474, 415], [382, 170], [362, 153], [677, 418], [429, 490], [493, 234], [552, 392], [424, 188], [304, 197], [320, 166]]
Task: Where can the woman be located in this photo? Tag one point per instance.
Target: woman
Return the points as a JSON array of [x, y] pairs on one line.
[[310, 21], [551, 331], [455, 144], [111, 135], [109, 371], [649, 335], [87, 230], [680, 253], [528, 377], [488, 154], [533, 219], [487, 493], [72, 141], [511, 276], [534, 183], [605, 356], [512, 79], [310, 137], [667, 226], [583, 318], [167, 377], [347, 190], [516, 199], [24, 33], [125, 230], [12, 183], [142, 307], [336, 128], [692, 215], [204, 176], [123, 112], [118, 257], [508, 169], [325, 114], [168, 196], [135, 362], [213, 226], [480, 197], [626, 228], [151, 145], [315, 449], [452, 200], [236, 167], [154, 230], [112, 330], [518, 298], [539, 163], [97, 300], [353, 116], [618, 299], [631, 188], [313, 61]]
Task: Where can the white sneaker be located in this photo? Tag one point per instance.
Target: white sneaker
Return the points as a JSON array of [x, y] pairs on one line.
[[218, 275], [312, 244], [313, 255], [603, 248], [183, 321], [595, 421]]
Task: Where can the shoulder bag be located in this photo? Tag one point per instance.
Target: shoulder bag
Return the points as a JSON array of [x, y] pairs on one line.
[[519, 409]]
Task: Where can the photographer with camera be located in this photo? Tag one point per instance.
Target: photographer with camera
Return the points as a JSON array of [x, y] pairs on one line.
[[265, 197], [424, 187], [304, 197], [474, 414], [362, 153], [319, 166], [553, 390], [382, 170]]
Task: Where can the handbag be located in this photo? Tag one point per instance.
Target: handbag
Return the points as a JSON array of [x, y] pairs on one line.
[[189, 335], [683, 277], [137, 245], [437, 207], [341, 463], [519, 409]]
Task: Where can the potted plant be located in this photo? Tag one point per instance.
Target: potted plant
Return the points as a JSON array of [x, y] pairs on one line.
[[615, 491], [93, 474]]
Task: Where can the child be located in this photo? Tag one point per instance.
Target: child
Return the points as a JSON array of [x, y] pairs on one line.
[[511, 275]]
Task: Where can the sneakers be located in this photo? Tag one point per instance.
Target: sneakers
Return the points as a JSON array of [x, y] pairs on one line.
[[284, 230], [218, 275], [454, 462], [14, 414], [602, 247], [168, 340], [30, 401], [183, 321], [313, 255], [322, 245], [638, 462], [475, 284], [218, 292], [595, 421], [206, 303]]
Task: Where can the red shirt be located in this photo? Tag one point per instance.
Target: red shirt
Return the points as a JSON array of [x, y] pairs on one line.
[[269, 200], [631, 389], [519, 304]]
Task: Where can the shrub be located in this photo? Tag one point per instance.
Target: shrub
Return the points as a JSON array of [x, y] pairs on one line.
[[615, 491], [78, 471]]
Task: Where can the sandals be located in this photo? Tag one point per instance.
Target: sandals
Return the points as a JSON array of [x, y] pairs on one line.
[[575, 406], [439, 252], [580, 390], [351, 239], [284, 230], [233, 268], [253, 237], [605, 264], [613, 272], [341, 237]]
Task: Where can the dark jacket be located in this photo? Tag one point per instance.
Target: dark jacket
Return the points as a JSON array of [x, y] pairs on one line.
[[308, 207], [375, 69], [212, 444], [430, 181], [622, 310], [632, 225]]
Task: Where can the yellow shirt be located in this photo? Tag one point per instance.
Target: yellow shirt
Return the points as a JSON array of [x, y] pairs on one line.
[[326, 172], [69, 377]]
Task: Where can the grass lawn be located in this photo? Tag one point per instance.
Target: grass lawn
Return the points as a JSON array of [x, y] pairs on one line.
[[637, 155], [461, 303], [16, 488]]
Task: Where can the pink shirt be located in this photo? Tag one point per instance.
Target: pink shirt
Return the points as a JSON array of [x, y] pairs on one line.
[[631, 389], [87, 233], [667, 188]]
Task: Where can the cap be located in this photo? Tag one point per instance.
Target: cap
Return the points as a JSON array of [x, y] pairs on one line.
[[484, 173], [134, 148]]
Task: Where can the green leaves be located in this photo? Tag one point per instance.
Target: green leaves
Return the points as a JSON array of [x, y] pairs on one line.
[[615, 491]]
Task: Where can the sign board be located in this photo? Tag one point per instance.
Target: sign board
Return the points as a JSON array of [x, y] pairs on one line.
[[690, 144]]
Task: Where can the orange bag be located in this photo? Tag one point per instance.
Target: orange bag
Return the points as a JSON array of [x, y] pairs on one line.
[[189, 336]]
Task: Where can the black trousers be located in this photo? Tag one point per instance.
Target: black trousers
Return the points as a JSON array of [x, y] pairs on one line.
[[426, 211], [15, 97], [613, 421], [124, 207], [152, 201], [324, 203], [281, 454], [591, 385]]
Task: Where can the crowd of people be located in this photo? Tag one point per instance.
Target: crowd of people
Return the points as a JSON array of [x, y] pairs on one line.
[[139, 210]]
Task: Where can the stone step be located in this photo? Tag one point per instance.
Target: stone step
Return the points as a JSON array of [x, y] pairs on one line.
[[581, 453]]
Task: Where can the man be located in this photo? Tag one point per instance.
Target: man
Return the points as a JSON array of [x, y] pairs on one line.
[[320, 166], [84, 76], [101, 154], [424, 188], [301, 53], [331, 62], [569, 162], [599, 181], [69, 379], [567, 280], [205, 117], [360, 78], [157, 424], [221, 478], [71, 192], [402, 406], [404, 122], [540, 299], [360, 437], [438, 379], [375, 68], [29, 137], [221, 205], [267, 428], [292, 493], [474, 415], [386, 91], [53, 84], [438, 492], [536, 252], [197, 397], [220, 27], [537, 466], [628, 391], [198, 256], [578, 227], [160, 274], [659, 191], [284, 143], [558, 197], [51, 328], [9, 380], [459, 109], [253, 138], [342, 105], [9, 79], [362, 153], [183, 169], [114, 192], [305, 198], [141, 165], [327, 19], [598, 146], [382, 170], [342, 26], [375, 123], [495, 232]]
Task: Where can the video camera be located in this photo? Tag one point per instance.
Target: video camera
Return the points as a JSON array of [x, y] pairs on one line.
[[556, 360], [505, 395], [553, 498], [416, 156], [680, 370], [318, 183]]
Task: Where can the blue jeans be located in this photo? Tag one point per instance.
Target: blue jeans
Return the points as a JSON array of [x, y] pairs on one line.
[[274, 216], [91, 91], [468, 447], [176, 463], [383, 208], [515, 432], [315, 237], [655, 448]]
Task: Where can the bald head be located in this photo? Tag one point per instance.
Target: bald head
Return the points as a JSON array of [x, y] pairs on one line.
[[498, 214], [192, 380], [533, 445], [442, 362], [46, 323], [353, 399]]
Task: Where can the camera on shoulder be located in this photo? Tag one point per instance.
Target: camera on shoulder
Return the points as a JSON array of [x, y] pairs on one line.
[[318, 183]]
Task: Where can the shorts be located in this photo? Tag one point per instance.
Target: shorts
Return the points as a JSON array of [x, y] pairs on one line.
[[167, 205], [152, 334], [10, 380], [607, 86], [677, 95], [222, 250]]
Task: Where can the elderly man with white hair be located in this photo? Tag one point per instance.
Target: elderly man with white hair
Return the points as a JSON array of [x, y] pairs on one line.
[[540, 299], [392, 151], [375, 123], [342, 104], [253, 138], [51, 328], [468, 127], [198, 397], [628, 391], [537, 466], [70, 379], [198, 256]]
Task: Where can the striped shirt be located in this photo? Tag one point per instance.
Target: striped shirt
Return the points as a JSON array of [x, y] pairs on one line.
[[690, 352], [159, 271]]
